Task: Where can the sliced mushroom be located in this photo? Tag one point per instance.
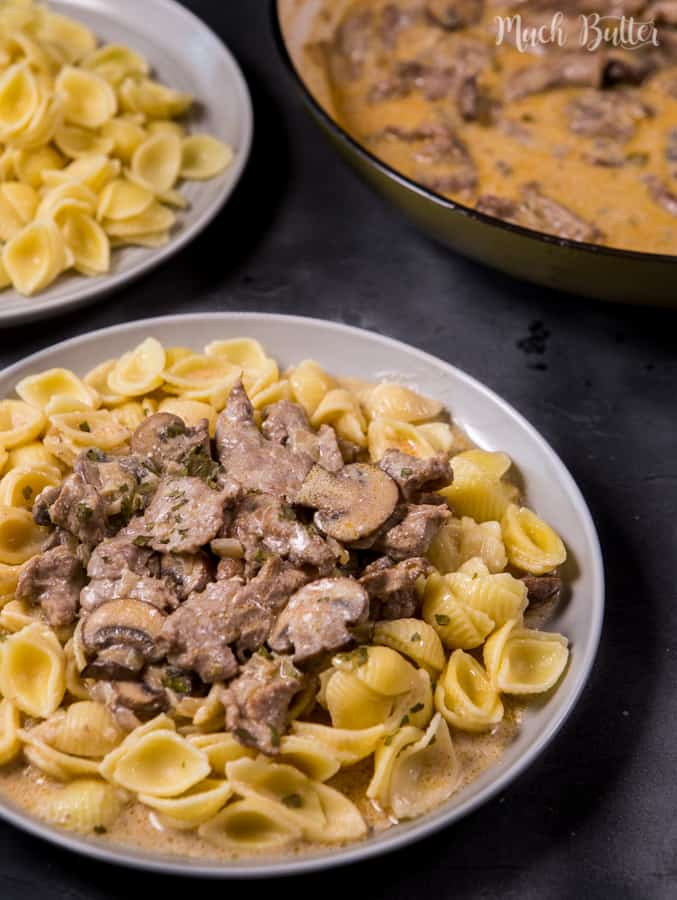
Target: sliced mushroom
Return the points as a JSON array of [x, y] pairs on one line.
[[351, 503], [122, 624], [317, 617], [140, 697], [116, 662]]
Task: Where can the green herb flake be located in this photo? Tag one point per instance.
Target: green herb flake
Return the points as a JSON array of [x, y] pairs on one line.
[[442, 620], [404, 720], [84, 426], [27, 492], [415, 638], [406, 472], [244, 736], [84, 512], [362, 656], [142, 540], [417, 707], [124, 487], [94, 455], [293, 801], [388, 741], [274, 736], [180, 684], [174, 429], [100, 829]]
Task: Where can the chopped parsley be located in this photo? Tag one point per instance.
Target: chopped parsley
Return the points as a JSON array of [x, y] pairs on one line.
[[94, 455], [180, 684], [415, 638], [388, 741], [417, 707], [174, 429], [442, 620], [27, 492], [293, 801], [142, 540], [404, 720], [406, 472], [274, 736], [246, 737], [84, 512], [84, 426], [100, 829]]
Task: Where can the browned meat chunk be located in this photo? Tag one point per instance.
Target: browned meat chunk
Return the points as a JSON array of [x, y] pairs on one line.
[[661, 194], [198, 635], [453, 14], [413, 475], [53, 580], [255, 462], [184, 515], [77, 508], [351, 44], [263, 524], [287, 424], [351, 504], [172, 447], [114, 555], [186, 572], [119, 637], [412, 536], [607, 114], [542, 587], [580, 69], [113, 481], [317, 617], [438, 143], [257, 701], [542, 213], [391, 588], [229, 568], [154, 591], [500, 207]]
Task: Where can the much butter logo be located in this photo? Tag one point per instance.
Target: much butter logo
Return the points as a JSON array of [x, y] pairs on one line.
[[589, 31]]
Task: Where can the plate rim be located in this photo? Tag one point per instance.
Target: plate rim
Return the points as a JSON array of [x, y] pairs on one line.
[[436, 820], [95, 289]]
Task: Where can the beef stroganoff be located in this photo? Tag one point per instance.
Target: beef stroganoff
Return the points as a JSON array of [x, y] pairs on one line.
[[257, 610]]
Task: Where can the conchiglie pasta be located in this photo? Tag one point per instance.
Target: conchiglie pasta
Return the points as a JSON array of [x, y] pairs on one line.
[[351, 704], [32, 670], [89, 100], [95, 428], [477, 489], [114, 62], [384, 759], [85, 805], [15, 615], [161, 763], [253, 824], [33, 455], [344, 821], [458, 625], [532, 544], [72, 37], [196, 806], [97, 379], [415, 706], [395, 401], [20, 487], [309, 383], [139, 371], [220, 748], [501, 597], [390, 434], [35, 257], [525, 661], [348, 746], [154, 100], [86, 242], [123, 199], [39, 389], [20, 537], [459, 540], [9, 576], [203, 156], [74, 141], [466, 697], [308, 757], [425, 773], [415, 639], [157, 161], [58, 765], [161, 722], [29, 164], [191, 411], [86, 728], [19, 98], [20, 423], [10, 721]]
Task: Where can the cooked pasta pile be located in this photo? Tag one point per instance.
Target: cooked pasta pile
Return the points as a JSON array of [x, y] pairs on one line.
[[399, 698], [90, 154]]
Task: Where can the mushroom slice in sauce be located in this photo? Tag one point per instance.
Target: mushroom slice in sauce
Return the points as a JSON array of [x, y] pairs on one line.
[[351, 503], [317, 617], [122, 623]]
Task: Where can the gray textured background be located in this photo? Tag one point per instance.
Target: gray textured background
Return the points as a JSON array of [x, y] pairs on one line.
[[596, 816]]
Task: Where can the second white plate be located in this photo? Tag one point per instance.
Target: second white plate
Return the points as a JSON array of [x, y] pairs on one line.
[[186, 55]]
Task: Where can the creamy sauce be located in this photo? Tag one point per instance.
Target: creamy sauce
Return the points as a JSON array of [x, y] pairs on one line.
[[517, 142]]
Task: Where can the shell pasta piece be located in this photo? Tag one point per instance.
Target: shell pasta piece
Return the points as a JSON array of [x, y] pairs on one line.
[[10, 720], [523, 660], [478, 490], [85, 805], [38, 390], [465, 696], [252, 824], [32, 670], [139, 371], [348, 746], [532, 544], [20, 537], [89, 100], [162, 764], [415, 639], [35, 257], [351, 704], [395, 401], [199, 803], [459, 625], [203, 156]]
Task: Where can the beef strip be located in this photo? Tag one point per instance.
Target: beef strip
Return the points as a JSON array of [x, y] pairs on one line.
[[412, 536], [155, 591], [661, 194], [607, 114], [287, 424], [229, 568], [114, 555], [184, 515], [317, 617], [257, 702], [454, 14], [391, 587], [76, 507], [393, 20], [351, 44], [581, 69], [172, 447], [542, 587], [113, 480], [438, 143], [52, 580], [542, 213], [257, 463], [198, 635], [414, 475], [500, 207], [264, 524]]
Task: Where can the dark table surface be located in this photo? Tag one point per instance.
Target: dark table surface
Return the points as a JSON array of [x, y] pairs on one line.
[[596, 815]]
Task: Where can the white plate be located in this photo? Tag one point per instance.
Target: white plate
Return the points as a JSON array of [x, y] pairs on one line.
[[489, 421], [186, 55]]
